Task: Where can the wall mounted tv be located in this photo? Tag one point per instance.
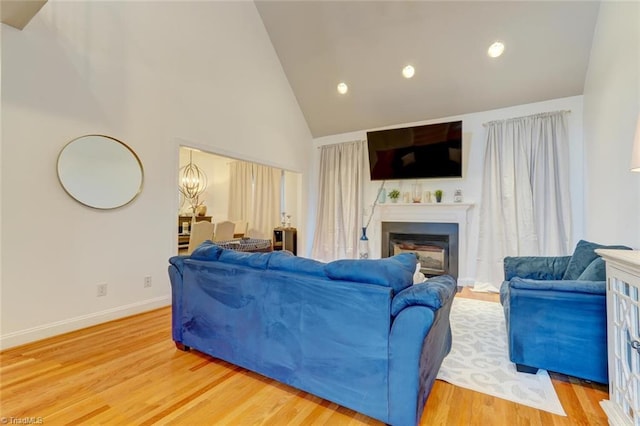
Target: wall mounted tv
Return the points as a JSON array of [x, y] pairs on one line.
[[419, 152]]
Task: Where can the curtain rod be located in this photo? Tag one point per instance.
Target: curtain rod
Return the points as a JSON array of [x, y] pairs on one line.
[[541, 114], [340, 143]]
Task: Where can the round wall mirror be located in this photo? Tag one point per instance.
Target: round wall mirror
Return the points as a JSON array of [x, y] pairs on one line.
[[100, 171]]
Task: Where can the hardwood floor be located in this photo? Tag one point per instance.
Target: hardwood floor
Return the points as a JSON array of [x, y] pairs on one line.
[[129, 372]]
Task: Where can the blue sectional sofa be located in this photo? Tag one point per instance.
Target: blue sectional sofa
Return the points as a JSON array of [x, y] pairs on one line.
[[556, 312], [355, 332]]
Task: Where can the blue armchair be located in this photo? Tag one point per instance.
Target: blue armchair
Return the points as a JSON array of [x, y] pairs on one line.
[[555, 310]]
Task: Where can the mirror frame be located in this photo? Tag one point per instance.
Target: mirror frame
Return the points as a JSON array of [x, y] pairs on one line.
[[85, 202]]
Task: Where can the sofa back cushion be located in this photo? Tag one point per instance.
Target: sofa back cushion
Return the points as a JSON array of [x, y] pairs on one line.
[[596, 271], [287, 262], [207, 251], [253, 260], [395, 272], [582, 256]]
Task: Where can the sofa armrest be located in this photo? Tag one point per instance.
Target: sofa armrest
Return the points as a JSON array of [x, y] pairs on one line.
[[433, 293], [570, 286], [175, 278], [535, 267], [420, 339], [178, 262]]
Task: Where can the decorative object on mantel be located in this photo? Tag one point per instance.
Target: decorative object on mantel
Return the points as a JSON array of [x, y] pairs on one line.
[[457, 196], [438, 193], [202, 210], [382, 196], [394, 194], [193, 183], [635, 155], [427, 197], [363, 244], [416, 189]]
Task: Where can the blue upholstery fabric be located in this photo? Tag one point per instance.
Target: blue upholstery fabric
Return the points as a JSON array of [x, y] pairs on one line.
[[582, 256], [253, 260], [207, 251], [287, 262], [325, 336], [596, 271], [395, 272], [175, 276], [432, 327], [433, 293], [555, 310], [571, 286], [535, 267], [178, 262], [558, 331]]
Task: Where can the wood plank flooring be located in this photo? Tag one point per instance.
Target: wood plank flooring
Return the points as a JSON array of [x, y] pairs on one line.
[[128, 372]]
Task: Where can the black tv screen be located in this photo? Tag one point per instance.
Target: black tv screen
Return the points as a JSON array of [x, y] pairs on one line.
[[419, 152]]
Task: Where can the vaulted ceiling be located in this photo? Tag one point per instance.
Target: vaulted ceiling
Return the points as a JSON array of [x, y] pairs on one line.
[[18, 13], [367, 43]]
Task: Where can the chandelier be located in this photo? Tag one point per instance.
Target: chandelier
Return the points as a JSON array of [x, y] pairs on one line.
[[193, 182]]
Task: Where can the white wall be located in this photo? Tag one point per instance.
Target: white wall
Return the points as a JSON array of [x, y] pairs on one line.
[[474, 139], [611, 105], [154, 75]]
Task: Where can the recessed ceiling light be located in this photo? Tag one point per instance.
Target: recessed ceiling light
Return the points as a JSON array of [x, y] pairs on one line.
[[495, 49], [408, 71], [343, 88]]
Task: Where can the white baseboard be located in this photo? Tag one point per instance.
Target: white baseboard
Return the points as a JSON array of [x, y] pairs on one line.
[[29, 335]]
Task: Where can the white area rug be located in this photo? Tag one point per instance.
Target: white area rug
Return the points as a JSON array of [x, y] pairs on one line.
[[479, 359]]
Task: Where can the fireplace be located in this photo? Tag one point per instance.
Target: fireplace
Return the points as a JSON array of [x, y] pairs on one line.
[[435, 244]]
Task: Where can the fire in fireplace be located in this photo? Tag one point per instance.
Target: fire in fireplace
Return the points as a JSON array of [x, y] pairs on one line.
[[435, 245], [432, 258]]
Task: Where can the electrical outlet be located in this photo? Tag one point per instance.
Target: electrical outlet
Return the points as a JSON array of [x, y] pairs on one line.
[[102, 290], [147, 281]]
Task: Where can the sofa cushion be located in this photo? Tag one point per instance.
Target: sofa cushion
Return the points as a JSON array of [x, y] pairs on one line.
[[395, 272], [253, 260], [582, 256], [596, 271], [207, 251], [433, 293], [287, 262]]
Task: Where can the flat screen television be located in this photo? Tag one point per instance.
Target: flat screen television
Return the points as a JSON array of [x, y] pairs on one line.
[[418, 152]]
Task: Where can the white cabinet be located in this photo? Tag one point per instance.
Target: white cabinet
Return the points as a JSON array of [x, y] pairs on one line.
[[623, 336]]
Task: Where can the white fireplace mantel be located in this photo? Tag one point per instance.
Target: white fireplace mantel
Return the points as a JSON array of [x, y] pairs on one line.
[[424, 212]]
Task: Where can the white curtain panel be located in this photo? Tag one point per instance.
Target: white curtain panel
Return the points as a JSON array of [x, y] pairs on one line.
[[240, 191], [265, 211], [525, 208], [339, 201]]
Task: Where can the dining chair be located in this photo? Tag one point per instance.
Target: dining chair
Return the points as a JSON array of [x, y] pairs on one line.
[[240, 229], [224, 231], [200, 232]]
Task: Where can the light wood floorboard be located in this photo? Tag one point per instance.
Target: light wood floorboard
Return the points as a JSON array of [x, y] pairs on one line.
[[129, 372]]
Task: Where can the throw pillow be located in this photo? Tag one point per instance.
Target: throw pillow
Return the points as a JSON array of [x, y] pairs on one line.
[[582, 256], [596, 271]]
